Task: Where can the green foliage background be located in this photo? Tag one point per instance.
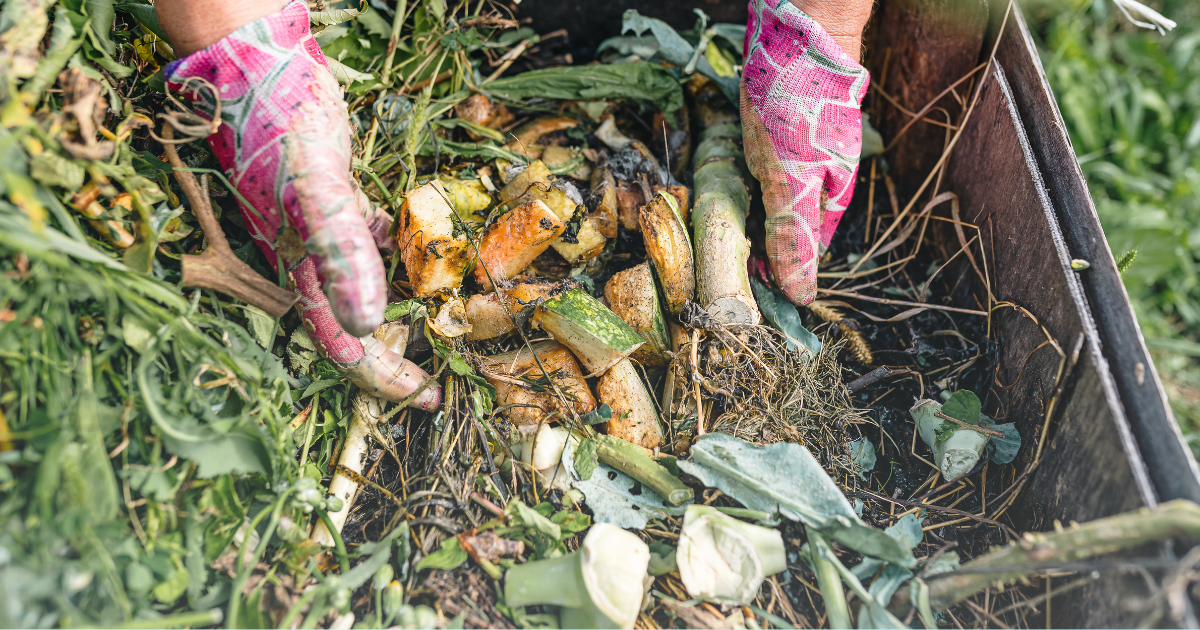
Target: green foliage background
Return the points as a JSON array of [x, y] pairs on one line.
[[1131, 101]]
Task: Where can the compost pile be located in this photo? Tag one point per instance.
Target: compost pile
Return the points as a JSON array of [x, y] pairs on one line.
[[636, 428]]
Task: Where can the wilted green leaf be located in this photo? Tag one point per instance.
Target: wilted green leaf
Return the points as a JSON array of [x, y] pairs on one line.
[[640, 80], [862, 453], [783, 316], [785, 478]]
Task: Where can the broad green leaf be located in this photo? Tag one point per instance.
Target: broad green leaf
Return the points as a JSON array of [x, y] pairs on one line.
[[241, 450], [585, 458], [785, 478], [449, 556], [603, 413], [260, 325], [171, 589], [570, 521], [671, 46], [1006, 447], [524, 516], [963, 405]]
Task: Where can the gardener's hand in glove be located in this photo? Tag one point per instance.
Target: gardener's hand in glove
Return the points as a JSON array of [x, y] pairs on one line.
[[801, 91], [284, 142]]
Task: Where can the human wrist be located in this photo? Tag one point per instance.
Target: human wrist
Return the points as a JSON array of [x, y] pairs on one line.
[[843, 20], [193, 25]]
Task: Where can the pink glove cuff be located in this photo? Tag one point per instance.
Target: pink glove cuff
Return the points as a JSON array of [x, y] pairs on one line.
[[801, 95]]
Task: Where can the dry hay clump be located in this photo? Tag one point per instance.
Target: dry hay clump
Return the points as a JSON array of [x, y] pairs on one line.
[[766, 392]]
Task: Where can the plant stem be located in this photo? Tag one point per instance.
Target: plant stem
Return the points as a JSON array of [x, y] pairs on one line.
[[830, 584], [235, 595], [397, 23], [339, 546], [290, 618], [632, 460], [181, 620], [555, 581]]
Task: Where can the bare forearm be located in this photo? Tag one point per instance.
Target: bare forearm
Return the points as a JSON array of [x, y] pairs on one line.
[[844, 20], [192, 25]]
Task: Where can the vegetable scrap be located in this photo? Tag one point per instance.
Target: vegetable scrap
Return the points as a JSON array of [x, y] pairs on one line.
[[633, 428]]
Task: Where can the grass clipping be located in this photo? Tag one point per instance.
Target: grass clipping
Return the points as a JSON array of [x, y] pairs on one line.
[[767, 392]]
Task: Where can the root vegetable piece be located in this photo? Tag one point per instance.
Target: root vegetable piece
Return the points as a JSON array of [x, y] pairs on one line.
[[629, 204], [667, 245], [488, 317], [604, 194], [514, 240], [634, 418], [433, 257], [520, 183], [480, 110], [529, 402], [595, 334], [589, 244], [631, 294], [719, 218]]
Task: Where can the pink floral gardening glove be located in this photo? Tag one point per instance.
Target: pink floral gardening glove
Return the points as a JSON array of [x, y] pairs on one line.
[[284, 142], [802, 131]]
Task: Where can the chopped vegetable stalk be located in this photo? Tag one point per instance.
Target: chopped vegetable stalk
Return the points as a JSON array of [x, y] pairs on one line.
[[636, 462], [635, 418], [559, 195], [956, 449], [719, 218], [522, 387], [604, 194], [724, 558], [367, 410], [490, 319], [514, 240], [667, 245], [598, 586], [631, 294], [433, 256], [595, 334]]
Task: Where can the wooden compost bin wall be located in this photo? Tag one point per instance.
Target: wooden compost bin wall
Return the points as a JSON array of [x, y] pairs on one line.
[[1016, 177]]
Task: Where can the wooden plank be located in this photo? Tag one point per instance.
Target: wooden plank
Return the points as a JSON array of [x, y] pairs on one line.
[[926, 45], [1091, 466], [1173, 469]]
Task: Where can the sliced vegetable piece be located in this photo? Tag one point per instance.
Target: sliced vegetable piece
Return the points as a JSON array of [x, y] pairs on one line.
[[589, 243], [631, 294], [514, 240], [634, 417], [604, 202], [489, 319], [724, 558], [520, 183], [599, 586], [519, 382], [528, 134], [433, 257], [480, 110], [595, 334], [667, 245]]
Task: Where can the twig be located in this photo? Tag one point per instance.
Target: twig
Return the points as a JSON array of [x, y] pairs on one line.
[[218, 268], [968, 425], [934, 307]]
